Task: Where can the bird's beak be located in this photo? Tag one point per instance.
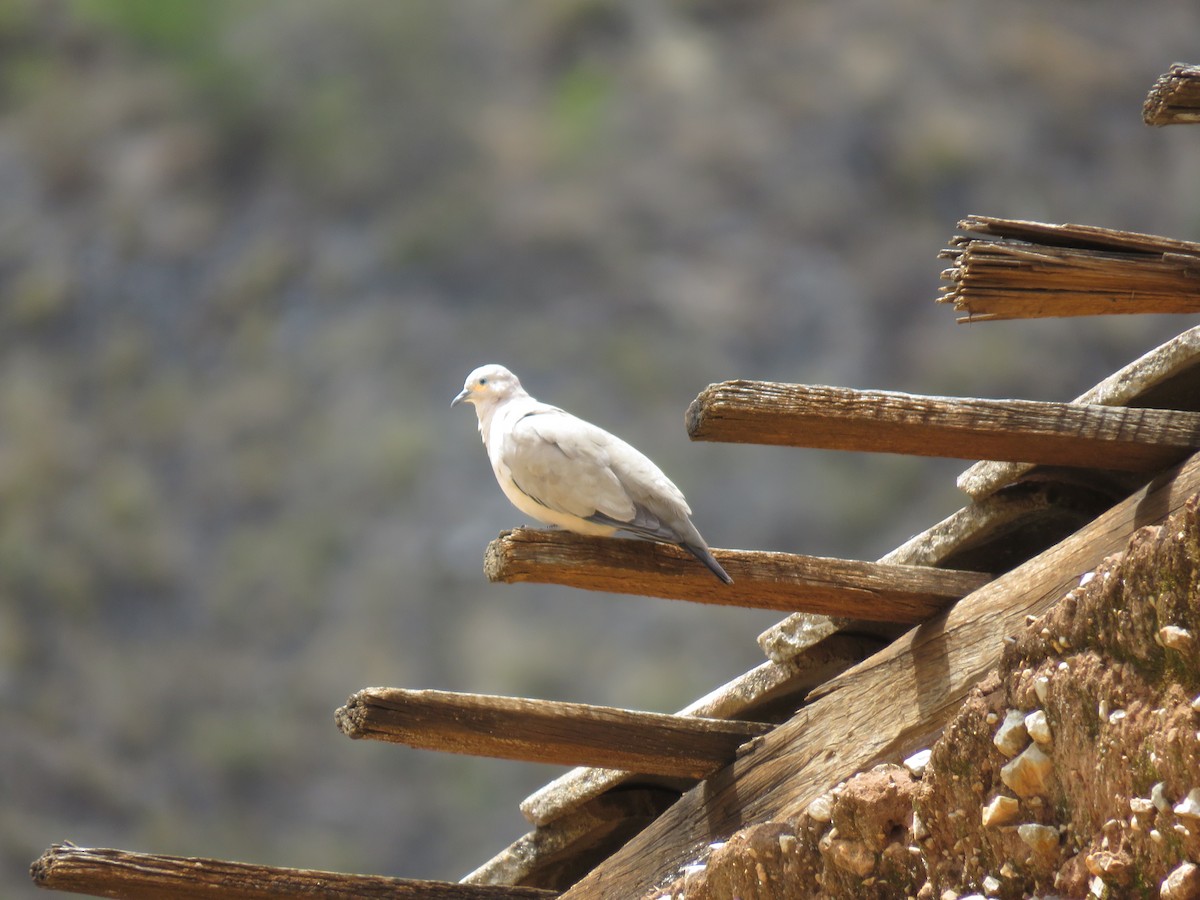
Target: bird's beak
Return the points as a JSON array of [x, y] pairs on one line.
[[460, 398]]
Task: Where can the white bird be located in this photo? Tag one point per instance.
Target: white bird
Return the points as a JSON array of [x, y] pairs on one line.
[[567, 472]]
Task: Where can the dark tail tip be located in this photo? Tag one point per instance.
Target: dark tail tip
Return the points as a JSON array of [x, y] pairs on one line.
[[702, 554]]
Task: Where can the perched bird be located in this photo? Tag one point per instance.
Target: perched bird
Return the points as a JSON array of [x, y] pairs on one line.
[[567, 472]]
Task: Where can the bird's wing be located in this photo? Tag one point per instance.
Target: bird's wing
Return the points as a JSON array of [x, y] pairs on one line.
[[565, 463]]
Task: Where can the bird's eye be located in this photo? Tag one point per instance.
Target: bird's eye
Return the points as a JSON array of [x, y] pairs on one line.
[[483, 381]]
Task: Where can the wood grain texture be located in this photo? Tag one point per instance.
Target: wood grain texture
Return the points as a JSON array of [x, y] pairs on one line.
[[569, 734], [881, 710], [1175, 97], [153, 876], [832, 418], [1037, 270], [1087, 237], [761, 580]]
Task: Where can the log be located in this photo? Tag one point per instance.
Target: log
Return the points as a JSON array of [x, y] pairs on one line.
[[153, 876], [547, 731], [761, 579], [1036, 270], [1063, 434], [1175, 97], [883, 709]]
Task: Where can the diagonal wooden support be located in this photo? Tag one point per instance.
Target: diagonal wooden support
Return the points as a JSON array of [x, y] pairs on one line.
[[831, 418], [559, 853], [761, 580], [153, 876], [882, 709], [569, 734]]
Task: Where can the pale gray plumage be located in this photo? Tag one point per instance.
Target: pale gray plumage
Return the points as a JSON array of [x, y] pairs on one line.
[[567, 472]]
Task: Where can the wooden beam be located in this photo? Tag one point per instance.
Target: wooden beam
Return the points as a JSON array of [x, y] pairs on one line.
[[761, 580], [568, 734], [1064, 434], [153, 876], [1080, 237], [1036, 270], [1175, 97], [886, 707]]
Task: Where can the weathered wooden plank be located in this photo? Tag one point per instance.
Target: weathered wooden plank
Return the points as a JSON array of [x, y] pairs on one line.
[[997, 280], [1064, 434], [569, 734], [1175, 97], [890, 705], [761, 579], [1037, 270], [1090, 237], [153, 876]]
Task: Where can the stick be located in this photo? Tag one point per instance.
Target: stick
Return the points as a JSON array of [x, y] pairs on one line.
[[1064, 434], [570, 734], [761, 580], [152, 876]]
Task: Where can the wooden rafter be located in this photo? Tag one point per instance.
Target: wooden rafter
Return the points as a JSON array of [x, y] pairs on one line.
[[832, 418], [154, 876], [761, 579], [547, 731]]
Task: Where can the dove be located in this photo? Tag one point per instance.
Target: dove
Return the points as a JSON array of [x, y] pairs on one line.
[[567, 472]]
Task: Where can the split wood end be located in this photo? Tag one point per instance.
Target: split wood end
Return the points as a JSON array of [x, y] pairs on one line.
[[351, 718], [1175, 97], [694, 417]]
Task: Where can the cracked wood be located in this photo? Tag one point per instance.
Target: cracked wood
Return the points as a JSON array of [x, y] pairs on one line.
[[832, 418], [761, 579], [568, 734], [153, 876]]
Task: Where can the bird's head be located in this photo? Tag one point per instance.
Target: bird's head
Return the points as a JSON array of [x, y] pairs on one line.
[[488, 385]]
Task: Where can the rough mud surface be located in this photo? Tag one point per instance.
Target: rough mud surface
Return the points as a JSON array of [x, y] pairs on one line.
[[1073, 771]]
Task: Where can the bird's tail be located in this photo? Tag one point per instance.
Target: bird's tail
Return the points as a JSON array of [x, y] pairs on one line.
[[702, 553]]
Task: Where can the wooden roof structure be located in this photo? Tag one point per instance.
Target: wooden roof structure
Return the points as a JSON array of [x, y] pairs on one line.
[[873, 658]]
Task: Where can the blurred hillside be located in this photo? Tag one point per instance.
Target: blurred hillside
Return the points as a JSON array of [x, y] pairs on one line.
[[250, 251]]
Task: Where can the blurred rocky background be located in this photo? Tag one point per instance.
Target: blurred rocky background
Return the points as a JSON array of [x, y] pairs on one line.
[[249, 251]]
